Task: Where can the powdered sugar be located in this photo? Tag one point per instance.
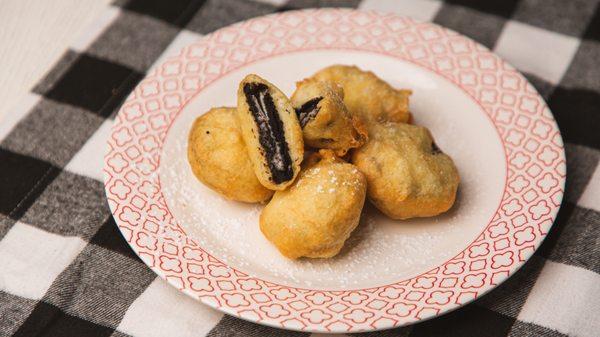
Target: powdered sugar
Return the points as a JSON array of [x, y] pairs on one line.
[[381, 250]]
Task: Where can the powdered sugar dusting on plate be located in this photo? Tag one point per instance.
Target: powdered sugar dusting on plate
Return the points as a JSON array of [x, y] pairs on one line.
[[379, 251]]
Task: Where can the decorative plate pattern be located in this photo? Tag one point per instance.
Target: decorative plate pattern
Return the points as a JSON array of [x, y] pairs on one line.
[[532, 143]]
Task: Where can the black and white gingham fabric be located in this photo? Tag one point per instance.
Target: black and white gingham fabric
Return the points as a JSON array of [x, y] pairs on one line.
[[66, 271]]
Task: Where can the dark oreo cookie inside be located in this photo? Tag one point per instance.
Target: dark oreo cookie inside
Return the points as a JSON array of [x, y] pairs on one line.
[[270, 128], [308, 111], [435, 149]]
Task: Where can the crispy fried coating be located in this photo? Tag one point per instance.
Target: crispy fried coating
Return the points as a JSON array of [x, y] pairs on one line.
[[408, 175], [218, 157], [367, 96], [315, 216], [325, 121], [271, 131]]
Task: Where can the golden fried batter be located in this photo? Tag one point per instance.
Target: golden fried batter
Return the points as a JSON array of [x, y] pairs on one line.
[[407, 174], [315, 216], [218, 157], [367, 96], [325, 121], [271, 132]]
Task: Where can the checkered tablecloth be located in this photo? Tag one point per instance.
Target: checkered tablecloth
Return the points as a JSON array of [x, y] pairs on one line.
[[65, 270]]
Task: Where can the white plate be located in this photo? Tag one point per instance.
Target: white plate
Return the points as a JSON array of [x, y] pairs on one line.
[[481, 111]]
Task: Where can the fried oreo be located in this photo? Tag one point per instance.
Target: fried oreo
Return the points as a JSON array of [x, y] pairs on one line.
[[325, 121], [408, 175], [271, 132], [218, 157], [367, 96], [315, 216]]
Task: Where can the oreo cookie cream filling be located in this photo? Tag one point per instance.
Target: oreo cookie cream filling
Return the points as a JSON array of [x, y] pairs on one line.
[[271, 133]]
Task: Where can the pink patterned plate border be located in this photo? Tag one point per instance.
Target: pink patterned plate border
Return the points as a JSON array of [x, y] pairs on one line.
[[532, 143]]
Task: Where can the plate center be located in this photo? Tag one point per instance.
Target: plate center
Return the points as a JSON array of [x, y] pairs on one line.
[[380, 251]]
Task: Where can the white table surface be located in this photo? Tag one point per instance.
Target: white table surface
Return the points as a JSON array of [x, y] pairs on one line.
[[33, 35]]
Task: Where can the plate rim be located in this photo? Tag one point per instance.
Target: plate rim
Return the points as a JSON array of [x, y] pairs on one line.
[[320, 13]]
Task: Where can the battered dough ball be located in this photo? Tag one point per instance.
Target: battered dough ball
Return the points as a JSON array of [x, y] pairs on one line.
[[408, 175], [367, 96], [218, 157], [271, 132], [315, 216], [325, 121]]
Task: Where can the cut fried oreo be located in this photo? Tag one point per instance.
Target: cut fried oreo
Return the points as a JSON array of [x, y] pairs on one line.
[[271, 131], [325, 121]]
